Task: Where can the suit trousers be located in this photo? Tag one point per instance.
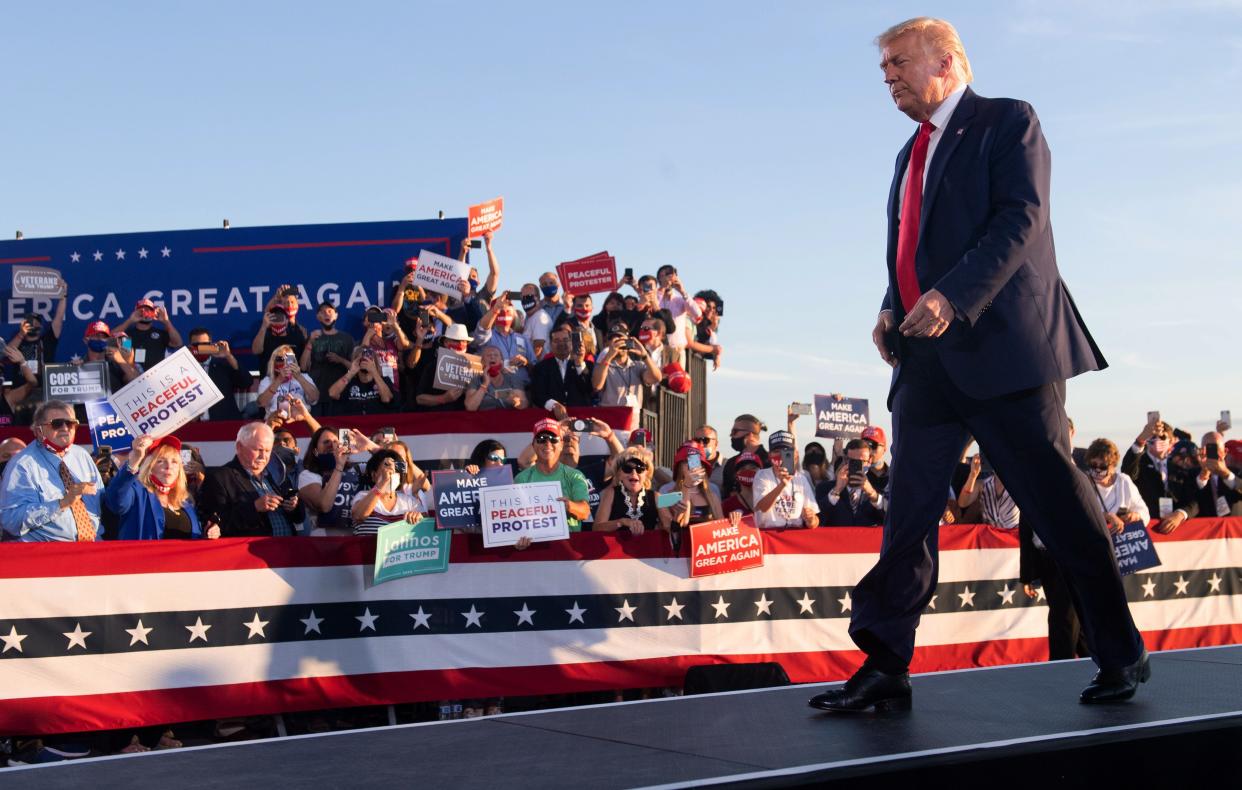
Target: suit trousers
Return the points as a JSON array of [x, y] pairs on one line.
[[1065, 639], [1025, 435]]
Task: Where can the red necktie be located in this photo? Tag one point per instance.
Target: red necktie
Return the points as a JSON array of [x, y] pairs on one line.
[[908, 230]]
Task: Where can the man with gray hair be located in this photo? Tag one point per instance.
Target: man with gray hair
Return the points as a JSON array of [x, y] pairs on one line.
[[981, 333], [244, 496], [50, 490]]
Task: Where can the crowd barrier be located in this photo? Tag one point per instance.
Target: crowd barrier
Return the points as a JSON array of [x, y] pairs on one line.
[[111, 635]]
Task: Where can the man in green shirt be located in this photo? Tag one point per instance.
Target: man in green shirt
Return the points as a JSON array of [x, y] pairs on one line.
[[548, 468]]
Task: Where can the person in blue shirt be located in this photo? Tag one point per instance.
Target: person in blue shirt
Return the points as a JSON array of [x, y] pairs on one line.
[[150, 495], [50, 490]]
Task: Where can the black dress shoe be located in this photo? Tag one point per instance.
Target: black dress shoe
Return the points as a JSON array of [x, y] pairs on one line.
[[1117, 685], [868, 688]]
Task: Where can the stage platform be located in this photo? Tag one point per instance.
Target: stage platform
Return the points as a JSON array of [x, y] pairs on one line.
[[1011, 716]]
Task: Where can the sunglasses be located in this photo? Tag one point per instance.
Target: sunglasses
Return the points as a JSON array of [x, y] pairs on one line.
[[496, 459], [547, 439], [704, 439], [60, 423], [633, 466]]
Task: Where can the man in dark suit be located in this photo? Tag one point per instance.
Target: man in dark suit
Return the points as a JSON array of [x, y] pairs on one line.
[[850, 499], [249, 496], [224, 371], [1216, 493], [1164, 470], [565, 377], [982, 334]]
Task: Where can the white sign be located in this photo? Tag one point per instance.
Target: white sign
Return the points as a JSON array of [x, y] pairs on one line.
[[167, 396], [533, 510], [440, 274], [31, 281]]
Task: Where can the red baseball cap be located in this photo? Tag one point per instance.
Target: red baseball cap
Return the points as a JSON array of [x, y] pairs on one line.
[[411, 264], [685, 450], [97, 328], [169, 441], [546, 425], [144, 303], [676, 379], [875, 434], [640, 435], [1233, 450]]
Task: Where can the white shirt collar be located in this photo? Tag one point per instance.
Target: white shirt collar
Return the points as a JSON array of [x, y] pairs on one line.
[[945, 111]]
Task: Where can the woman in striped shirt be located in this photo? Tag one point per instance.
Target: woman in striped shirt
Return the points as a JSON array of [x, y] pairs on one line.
[[384, 502], [999, 509]]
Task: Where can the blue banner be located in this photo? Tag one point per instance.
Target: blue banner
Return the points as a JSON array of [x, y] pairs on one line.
[[457, 495], [846, 418], [1134, 549], [222, 279], [107, 429]]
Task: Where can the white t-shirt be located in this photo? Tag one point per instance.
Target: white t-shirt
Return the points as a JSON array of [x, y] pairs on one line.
[[289, 389], [787, 510], [538, 329]]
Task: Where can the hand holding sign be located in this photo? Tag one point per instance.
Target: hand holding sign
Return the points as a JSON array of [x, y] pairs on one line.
[[484, 219]]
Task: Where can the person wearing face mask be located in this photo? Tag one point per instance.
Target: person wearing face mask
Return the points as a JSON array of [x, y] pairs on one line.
[[102, 347], [150, 496], [328, 351], [361, 390], [473, 302], [496, 387], [283, 382], [578, 318], [224, 371], [151, 342], [612, 313], [329, 480], [1159, 476], [1217, 485], [383, 502], [564, 379], [848, 499], [743, 495], [1119, 495], [648, 305], [246, 496], [37, 341], [783, 493], [496, 328], [279, 326], [705, 339], [429, 397], [386, 341], [12, 397], [744, 438], [51, 490]]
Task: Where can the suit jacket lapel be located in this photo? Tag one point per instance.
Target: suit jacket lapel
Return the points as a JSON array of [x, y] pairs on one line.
[[949, 140]]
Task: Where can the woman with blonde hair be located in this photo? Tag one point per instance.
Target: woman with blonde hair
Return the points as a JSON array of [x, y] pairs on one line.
[[150, 495], [284, 382], [629, 503]]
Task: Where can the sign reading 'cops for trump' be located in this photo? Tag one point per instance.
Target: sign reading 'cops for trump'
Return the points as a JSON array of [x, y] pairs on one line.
[[440, 274], [532, 510], [167, 396], [840, 419], [76, 383]]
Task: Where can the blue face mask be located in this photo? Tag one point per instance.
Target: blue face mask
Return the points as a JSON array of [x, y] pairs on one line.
[[549, 290], [474, 285], [97, 345]]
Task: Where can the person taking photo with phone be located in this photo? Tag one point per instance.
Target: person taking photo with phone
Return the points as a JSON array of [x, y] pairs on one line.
[[783, 493], [623, 370], [848, 498], [224, 371], [283, 382]]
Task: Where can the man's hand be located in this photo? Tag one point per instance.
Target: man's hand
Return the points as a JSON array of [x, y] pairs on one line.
[[161, 314], [74, 492], [267, 503], [222, 349], [883, 325], [930, 316], [843, 478], [1167, 525], [213, 531]]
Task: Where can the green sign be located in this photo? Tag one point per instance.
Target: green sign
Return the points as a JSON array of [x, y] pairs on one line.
[[404, 549]]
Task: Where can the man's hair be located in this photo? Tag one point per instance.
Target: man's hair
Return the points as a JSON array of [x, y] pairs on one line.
[[251, 431], [1105, 451], [856, 444], [709, 295], [750, 418], [666, 267], [939, 38], [49, 405], [325, 303], [199, 330]]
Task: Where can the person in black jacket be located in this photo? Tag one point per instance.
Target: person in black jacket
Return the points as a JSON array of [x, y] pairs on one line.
[[249, 496], [1163, 470], [565, 377], [1216, 486], [848, 499], [223, 369]]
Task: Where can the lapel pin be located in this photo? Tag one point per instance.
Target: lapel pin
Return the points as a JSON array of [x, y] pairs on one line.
[[960, 129]]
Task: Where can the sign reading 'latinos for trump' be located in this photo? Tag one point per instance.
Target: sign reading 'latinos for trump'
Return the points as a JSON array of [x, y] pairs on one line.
[[404, 549], [167, 396]]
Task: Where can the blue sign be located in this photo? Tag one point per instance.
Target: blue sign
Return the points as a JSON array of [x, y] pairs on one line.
[[1134, 549], [107, 429], [846, 418], [403, 549], [457, 496], [221, 279]]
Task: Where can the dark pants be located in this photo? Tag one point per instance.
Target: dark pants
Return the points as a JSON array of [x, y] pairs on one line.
[[1025, 435], [1065, 639]]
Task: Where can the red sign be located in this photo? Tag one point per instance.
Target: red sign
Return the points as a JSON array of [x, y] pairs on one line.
[[593, 274], [720, 547], [485, 217]]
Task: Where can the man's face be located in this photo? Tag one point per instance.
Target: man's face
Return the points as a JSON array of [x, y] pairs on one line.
[[291, 304], [652, 332], [254, 454], [146, 315], [201, 337], [32, 329], [707, 439], [326, 314], [529, 293], [561, 345], [285, 439], [548, 448], [58, 426], [860, 454], [548, 280], [457, 345], [916, 80], [665, 275], [583, 306]]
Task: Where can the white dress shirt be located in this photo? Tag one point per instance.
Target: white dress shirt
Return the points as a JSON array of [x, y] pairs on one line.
[[939, 119]]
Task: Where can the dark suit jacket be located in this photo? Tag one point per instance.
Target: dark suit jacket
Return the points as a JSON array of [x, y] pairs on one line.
[[1151, 486], [843, 514], [573, 390], [227, 497], [1207, 503], [228, 381], [985, 242]]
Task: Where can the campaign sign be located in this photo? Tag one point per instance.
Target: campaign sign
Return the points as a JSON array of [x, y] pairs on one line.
[[593, 274], [840, 419], [532, 510], [440, 274], [485, 217], [76, 383], [404, 549], [167, 396], [1134, 549], [456, 371], [107, 429], [457, 495], [719, 547], [34, 281]]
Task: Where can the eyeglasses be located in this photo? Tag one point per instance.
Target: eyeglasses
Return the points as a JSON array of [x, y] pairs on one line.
[[496, 459], [633, 466], [547, 439], [60, 423]]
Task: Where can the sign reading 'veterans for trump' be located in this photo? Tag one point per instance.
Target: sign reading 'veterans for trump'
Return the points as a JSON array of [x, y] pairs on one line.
[[166, 397], [723, 547], [37, 281], [485, 217], [532, 510]]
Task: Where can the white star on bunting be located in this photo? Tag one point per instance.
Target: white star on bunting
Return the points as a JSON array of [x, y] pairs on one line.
[[1006, 595], [932, 603], [1181, 584], [1040, 595], [75, 257], [198, 630], [256, 627], [312, 623], [13, 641], [1149, 588], [366, 620], [576, 613], [763, 605], [673, 609], [525, 614], [968, 598], [473, 617], [1214, 583], [76, 637], [846, 603], [138, 634], [625, 611], [422, 619], [805, 603], [721, 607]]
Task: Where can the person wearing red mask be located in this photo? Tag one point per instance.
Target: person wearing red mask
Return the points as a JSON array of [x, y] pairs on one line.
[[496, 329], [279, 326], [151, 342], [51, 489], [429, 397], [497, 387], [579, 318], [150, 494], [284, 382], [224, 371]]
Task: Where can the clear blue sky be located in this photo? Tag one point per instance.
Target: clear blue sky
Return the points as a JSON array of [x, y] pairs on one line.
[[750, 144]]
